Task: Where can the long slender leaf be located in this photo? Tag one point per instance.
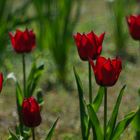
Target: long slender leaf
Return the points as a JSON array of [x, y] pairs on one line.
[[51, 131], [98, 99], [95, 122], [122, 125], [112, 121], [83, 114], [33, 78]]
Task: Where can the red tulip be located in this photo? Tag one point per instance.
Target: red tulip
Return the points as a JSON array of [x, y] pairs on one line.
[[106, 70], [31, 112], [134, 26], [1, 81], [89, 45], [23, 42]]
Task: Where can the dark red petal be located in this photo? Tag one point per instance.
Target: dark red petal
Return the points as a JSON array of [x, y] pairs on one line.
[[1, 81], [12, 39], [101, 38]]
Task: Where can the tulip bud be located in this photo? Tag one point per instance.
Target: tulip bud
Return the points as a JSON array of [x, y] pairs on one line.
[[31, 112]]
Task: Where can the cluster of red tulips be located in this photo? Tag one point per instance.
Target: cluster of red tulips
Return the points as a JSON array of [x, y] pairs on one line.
[[106, 72]]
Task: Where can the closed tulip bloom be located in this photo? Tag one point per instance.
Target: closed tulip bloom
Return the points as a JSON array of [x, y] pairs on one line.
[[133, 22], [106, 71], [89, 45], [31, 112], [1, 81], [23, 41]]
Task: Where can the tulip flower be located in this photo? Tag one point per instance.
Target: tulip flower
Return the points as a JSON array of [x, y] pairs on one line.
[[133, 22], [106, 71], [89, 45], [1, 81], [31, 112], [23, 42]]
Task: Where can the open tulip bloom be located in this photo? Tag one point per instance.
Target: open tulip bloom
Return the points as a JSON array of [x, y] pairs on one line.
[[89, 45], [23, 41], [106, 71]]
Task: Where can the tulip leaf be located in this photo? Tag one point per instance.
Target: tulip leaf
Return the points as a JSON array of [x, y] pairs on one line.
[[83, 115], [33, 78], [95, 122], [98, 99], [122, 125], [51, 131], [40, 97], [13, 136], [112, 121], [19, 94]]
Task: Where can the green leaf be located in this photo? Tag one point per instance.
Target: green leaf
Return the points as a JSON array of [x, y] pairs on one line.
[[13, 136], [40, 97], [136, 122], [95, 122], [33, 78], [122, 125], [19, 94], [98, 99], [112, 121], [83, 115], [51, 131]]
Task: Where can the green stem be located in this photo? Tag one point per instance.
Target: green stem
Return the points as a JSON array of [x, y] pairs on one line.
[[20, 119], [90, 84], [24, 75], [105, 113], [33, 133]]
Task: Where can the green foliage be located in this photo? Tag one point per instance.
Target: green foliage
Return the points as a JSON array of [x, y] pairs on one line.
[[98, 99], [57, 23], [113, 118], [13, 136], [39, 96], [119, 10], [83, 115], [136, 123], [95, 122], [114, 130], [51, 131], [33, 78], [122, 125]]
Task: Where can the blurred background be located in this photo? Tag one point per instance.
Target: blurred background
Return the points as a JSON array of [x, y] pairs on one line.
[[54, 23]]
